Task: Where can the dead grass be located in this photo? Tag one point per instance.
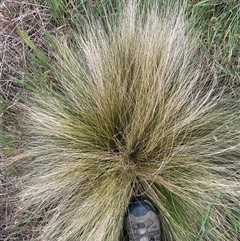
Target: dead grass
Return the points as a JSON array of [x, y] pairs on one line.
[[6, 205], [33, 18]]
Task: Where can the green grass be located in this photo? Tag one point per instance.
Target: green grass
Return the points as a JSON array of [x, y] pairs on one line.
[[9, 136], [87, 149], [3, 141], [219, 23]]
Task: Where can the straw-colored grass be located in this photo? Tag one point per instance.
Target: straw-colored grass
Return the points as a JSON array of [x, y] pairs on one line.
[[126, 109]]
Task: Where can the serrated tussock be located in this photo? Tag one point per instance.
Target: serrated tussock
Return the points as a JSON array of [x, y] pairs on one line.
[[129, 110]]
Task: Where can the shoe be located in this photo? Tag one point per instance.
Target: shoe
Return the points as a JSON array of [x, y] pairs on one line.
[[142, 221]]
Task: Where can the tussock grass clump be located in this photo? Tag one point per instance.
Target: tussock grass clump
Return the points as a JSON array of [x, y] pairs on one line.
[[126, 109]]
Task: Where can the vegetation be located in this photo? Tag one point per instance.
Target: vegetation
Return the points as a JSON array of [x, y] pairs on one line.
[[104, 104]]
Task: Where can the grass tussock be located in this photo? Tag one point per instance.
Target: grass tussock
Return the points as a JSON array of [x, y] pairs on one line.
[[127, 109]]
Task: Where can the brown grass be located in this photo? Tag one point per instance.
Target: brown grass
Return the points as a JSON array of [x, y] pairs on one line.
[[33, 18]]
